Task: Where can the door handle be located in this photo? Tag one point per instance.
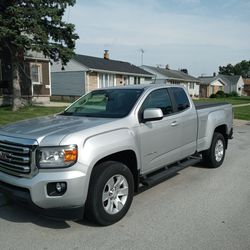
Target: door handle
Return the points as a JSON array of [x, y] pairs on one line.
[[175, 123]]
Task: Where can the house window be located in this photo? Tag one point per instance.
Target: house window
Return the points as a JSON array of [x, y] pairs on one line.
[[220, 88], [125, 80], [106, 80], [131, 80], [36, 73], [191, 85]]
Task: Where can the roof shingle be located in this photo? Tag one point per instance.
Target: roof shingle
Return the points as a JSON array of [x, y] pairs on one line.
[[109, 65], [174, 74]]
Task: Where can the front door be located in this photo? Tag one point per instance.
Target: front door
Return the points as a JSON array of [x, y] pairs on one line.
[[159, 140]]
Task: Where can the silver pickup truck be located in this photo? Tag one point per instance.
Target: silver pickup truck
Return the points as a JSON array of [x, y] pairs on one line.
[[91, 158]]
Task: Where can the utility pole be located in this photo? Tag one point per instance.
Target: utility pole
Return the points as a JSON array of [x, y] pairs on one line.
[[142, 52]]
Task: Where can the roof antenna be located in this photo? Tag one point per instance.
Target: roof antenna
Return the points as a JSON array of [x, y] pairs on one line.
[[142, 52]]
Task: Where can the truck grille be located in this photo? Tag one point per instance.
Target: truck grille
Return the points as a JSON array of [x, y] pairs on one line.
[[16, 159]]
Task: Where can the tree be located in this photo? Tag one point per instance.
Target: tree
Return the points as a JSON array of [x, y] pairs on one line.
[[35, 25], [242, 68]]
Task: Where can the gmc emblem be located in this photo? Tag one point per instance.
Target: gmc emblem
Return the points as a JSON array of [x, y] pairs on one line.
[[3, 155]]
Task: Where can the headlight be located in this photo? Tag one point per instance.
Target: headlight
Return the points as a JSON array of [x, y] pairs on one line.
[[57, 157]]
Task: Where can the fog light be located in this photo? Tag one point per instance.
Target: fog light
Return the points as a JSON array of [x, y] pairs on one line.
[[60, 186], [56, 188]]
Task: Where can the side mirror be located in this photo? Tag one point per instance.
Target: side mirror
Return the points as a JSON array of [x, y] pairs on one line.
[[153, 114]]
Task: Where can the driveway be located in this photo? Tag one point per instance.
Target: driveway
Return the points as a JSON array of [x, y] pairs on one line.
[[197, 209]]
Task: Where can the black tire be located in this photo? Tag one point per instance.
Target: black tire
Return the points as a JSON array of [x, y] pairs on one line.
[[101, 175], [209, 156]]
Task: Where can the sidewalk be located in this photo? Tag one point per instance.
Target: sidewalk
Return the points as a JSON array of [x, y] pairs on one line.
[[241, 105], [240, 123], [53, 104]]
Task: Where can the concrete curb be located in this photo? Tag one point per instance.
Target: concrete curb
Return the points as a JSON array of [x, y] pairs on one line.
[[3, 200]]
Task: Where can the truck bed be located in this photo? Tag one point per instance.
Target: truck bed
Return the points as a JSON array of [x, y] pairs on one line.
[[202, 105]]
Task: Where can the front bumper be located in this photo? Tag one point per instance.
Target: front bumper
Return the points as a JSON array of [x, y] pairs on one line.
[[33, 192], [22, 196]]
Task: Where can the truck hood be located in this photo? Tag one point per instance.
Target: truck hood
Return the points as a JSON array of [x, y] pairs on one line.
[[50, 130]]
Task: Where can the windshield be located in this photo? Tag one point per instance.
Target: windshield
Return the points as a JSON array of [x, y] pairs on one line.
[[108, 103]]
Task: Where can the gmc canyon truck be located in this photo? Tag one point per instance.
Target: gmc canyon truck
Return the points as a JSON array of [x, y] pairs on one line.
[[91, 158]]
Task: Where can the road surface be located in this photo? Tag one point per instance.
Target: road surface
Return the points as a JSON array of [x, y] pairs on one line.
[[197, 209]]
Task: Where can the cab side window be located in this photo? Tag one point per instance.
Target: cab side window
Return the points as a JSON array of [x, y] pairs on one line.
[[159, 99], [181, 99]]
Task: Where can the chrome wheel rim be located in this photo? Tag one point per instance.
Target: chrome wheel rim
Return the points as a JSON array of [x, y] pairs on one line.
[[115, 194], [219, 150]]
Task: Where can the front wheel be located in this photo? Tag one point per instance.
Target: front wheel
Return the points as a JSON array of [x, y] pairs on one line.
[[214, 157], [110, 193]]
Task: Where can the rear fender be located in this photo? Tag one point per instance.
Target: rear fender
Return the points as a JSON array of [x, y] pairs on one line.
[[207, 128]]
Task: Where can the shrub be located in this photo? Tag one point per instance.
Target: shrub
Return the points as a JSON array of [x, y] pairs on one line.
[[213, 96], [234, 94], [220, 94]]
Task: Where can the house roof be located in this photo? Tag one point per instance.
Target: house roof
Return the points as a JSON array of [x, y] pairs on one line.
[[173, 74], [102, 64], [228, 80], [206, 80]]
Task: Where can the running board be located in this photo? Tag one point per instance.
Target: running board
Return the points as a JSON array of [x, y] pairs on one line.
[[168, 172]]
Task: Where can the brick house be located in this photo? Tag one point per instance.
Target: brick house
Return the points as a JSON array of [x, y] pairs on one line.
[[85, 73], [34, 75], [246, 86], [212, 84]]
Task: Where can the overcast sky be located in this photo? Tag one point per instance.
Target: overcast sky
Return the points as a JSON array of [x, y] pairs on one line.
[[195, 34]]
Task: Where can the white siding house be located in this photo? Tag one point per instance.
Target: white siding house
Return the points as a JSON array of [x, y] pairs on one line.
[[169, 76]]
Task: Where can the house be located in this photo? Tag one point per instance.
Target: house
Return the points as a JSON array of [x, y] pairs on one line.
[[234, 83], [34, 75], [211, 85], [246, 88], [225, 83], [166, 75], [85, 73]]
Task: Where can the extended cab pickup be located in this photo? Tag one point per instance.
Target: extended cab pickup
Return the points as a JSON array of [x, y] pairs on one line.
[[91, 158]]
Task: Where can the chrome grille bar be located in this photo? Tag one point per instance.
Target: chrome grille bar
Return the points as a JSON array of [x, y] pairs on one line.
[[17, 156], [14, 149]]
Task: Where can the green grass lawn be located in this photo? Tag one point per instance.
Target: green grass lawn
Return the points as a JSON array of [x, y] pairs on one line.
[[7, 116], [242, 113], [231, 100]]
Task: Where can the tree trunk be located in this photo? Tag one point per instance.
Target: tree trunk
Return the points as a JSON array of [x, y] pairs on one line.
[[16, 87]]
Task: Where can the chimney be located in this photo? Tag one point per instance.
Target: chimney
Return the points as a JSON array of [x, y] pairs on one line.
[[106, 54], [184, 71], [214, 74], [167, 66]]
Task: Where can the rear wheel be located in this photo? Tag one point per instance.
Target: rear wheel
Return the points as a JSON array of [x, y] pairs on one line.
[[214, 157], [110, 193]]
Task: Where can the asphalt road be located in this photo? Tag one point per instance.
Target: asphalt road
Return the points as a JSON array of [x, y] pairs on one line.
[[197, 209]]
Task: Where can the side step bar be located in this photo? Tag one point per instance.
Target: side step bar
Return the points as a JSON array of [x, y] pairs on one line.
[[167, 172]]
